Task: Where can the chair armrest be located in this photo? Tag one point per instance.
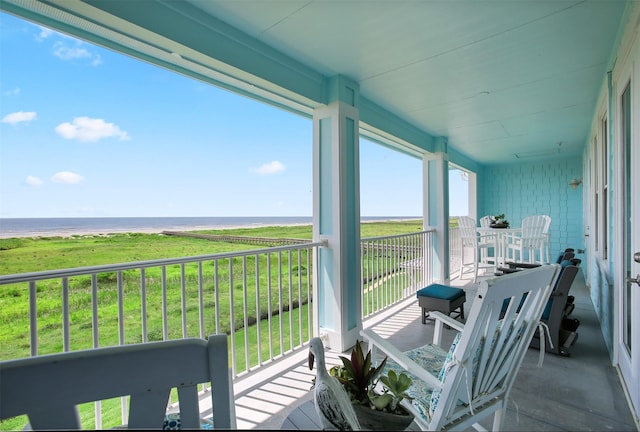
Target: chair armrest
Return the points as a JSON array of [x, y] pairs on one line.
[[401, 358], [440, 321], [522, 265]]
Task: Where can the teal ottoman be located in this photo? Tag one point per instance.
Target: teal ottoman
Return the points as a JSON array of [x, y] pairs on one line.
[[442, 298]]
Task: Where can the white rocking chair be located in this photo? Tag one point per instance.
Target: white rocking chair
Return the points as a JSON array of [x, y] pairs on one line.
[[47, 388], [456, 389]]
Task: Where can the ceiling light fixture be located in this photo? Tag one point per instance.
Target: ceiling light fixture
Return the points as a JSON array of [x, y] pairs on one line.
[[537, 153]]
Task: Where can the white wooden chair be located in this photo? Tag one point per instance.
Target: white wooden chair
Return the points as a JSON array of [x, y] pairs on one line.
[[47, 388], [533, 238], [490, 239], [458, 388], [471, 240]]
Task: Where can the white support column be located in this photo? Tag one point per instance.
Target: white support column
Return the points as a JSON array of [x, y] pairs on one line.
[[336, 210], [436, 210], [473, 196]]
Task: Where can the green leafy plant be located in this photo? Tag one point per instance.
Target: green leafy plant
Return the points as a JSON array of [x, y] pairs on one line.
[[396, 387], [499, 220], [357, 374], [360, 378]]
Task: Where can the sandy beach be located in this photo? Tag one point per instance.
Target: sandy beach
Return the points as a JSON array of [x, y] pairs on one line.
[[69, 227], [106, 231]]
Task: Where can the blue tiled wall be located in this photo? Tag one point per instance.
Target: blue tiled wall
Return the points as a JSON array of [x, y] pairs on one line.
[[531, 188]]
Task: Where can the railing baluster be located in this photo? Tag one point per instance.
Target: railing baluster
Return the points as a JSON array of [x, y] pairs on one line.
[[66, 337], [290, 301], [143, 303], [33, 318], [245, 307], [300, 341], [124, 406], [121, 337], [183, 292], [165, 314], [200, 301], [258, 313], [94, 310], [280, 302], [232, 320], [310, 265], [216, 292], [269, 308]]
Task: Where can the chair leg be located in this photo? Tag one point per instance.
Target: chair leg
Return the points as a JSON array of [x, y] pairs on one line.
[[475, 265], [498, 420]]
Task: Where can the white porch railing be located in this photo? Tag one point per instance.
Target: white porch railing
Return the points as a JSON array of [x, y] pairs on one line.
[[455, 251], [393, 268], [261, 298]]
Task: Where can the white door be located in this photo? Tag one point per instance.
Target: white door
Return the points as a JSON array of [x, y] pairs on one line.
[[628, 282]]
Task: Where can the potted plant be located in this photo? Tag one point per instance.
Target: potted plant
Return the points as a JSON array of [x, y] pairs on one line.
[[499, 221], [375, 409]]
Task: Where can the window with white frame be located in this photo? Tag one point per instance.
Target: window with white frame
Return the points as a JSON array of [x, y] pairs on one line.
[[604, 186], [600, 176]]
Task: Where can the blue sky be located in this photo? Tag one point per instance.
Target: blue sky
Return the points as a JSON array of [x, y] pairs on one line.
[[86, 132]]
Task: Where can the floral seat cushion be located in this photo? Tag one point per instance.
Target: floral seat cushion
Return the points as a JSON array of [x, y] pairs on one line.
[[431, 358], [172, 422]]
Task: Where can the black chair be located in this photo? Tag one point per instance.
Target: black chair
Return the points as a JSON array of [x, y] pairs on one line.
[[561, 329]]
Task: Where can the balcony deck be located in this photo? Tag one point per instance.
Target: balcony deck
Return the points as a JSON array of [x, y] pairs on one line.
[[581, 392]]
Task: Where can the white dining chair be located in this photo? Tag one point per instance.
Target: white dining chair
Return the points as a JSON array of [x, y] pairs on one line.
[[471, 241], [491, 239], [533, 239], [547, 240]]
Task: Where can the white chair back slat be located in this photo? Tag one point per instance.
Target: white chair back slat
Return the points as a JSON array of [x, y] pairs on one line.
[[491, 348], [146, 410], [189, 407], [485, 221], [534, 238], [468, 231]]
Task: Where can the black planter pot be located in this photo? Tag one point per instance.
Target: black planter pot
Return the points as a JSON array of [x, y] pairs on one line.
[[380, 420], [499, 225]]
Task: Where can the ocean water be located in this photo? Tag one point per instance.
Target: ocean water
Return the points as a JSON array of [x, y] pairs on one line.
[[50, 227]]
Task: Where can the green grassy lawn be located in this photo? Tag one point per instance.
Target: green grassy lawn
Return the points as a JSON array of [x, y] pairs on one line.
[[28, 255]]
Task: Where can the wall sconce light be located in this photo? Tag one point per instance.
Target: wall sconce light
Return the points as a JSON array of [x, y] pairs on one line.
[[575, 183]]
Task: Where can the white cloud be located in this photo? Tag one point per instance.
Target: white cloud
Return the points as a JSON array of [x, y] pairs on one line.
[[88, 129], [43, 34], [273, 167], [96, 60], [66, 177], [19, 117], [33, 181], [79, 51], [12, 92], [66, 52]]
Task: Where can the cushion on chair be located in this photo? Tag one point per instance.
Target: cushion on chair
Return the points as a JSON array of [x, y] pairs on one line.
[[431, 358], [450, 361], [172, 422], [441, 292]]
